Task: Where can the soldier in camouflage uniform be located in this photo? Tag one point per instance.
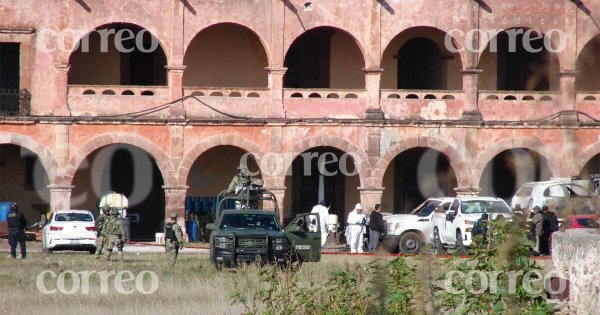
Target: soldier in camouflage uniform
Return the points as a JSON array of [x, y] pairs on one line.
[[100, 223], [173, 239], [116, 235]]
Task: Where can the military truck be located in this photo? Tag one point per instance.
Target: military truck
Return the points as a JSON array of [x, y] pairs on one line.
[[244, 231]]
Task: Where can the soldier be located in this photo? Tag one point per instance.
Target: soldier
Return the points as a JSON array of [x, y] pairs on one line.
[[240, 179], [173, 239], [16, 231], [115, 234], [101, 231]]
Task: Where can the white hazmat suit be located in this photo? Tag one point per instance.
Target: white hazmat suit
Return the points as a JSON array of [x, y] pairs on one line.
[[356, 227], [323, 216]]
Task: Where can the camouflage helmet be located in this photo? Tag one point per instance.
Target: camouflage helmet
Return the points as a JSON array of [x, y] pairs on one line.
[[173, 215], [105, 208]]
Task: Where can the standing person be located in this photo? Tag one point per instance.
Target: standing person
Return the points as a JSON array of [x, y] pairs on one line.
[[356, 227], [549, 226], [323, 216], [116, 236], [16, 231], [173, 239], [101, 231], [481, 228], [536, 229], [376, 228]]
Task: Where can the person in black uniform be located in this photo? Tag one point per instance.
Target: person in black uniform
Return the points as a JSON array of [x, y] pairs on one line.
[[16, 231], [376, 228]]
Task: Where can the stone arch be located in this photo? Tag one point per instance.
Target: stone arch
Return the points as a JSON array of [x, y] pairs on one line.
[[152, 31], [161, 159], [258, 36], [584, 157], [456, 162], [45, 156], [359, 157], [206, 144], [513, 143], [461, 51], [359, 45]]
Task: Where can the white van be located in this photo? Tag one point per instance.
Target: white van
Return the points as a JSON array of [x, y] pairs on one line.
[[556, 194]]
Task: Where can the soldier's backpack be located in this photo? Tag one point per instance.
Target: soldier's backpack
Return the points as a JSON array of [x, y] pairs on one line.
[[169, 233]]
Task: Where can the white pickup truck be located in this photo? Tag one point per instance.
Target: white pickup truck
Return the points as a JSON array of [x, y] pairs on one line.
[[408, 233], [452, 227]]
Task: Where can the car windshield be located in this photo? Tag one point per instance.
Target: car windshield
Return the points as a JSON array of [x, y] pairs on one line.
[[250, 221], [484, 206], [525, 191], [73, 216], [426, 208]]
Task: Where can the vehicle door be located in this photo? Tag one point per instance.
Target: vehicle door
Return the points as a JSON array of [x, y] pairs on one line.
[[305, 237], [449, 224], [439, 218], [555, 196]]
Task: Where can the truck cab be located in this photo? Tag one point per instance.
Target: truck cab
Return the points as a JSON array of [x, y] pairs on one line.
[[452, 226], [250, 233]]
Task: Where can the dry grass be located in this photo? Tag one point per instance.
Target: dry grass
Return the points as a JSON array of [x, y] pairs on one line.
[[193, 286]]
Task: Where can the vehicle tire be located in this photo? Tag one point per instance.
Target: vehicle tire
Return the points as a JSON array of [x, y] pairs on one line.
[[92, 251], [437, 246], [410, 243], [213, 259], [460, 246]]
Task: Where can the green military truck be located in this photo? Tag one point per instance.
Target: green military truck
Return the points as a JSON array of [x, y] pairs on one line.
[[247, 232]]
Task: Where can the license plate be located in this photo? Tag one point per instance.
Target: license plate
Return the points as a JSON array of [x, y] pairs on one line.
[[74, 241]]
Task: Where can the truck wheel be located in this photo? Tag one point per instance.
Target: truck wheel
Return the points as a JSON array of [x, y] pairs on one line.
[[410, 243], [460, 244], [437, 246]]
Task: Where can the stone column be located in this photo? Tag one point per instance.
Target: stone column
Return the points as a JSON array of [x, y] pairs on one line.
[[62, 92], [175, 80], [567, 95], [60, 197], [467, 191], [373, 86], [279, 193], [575, 254], [175, 202], [471, 103], [276, 107], [370, 196]]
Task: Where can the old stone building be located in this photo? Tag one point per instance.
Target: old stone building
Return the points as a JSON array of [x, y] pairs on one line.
[[412, 98]]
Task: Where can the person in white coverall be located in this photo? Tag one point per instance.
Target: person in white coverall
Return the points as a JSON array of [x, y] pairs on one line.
[[356, 227], [323, 216]]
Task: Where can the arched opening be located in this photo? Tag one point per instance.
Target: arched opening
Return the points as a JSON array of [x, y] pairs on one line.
[[588, 66], [222, 50], [418, 59], [210, 174], [335, 181], [592, 167], [324, 57], [23, 180], [511, 63], [509, 169], [118, 54], [127, 170], [415, 175]]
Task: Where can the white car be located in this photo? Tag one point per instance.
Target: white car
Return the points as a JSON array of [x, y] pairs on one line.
[[70, 230], [409, 232], [452, 227], [555, 194]]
